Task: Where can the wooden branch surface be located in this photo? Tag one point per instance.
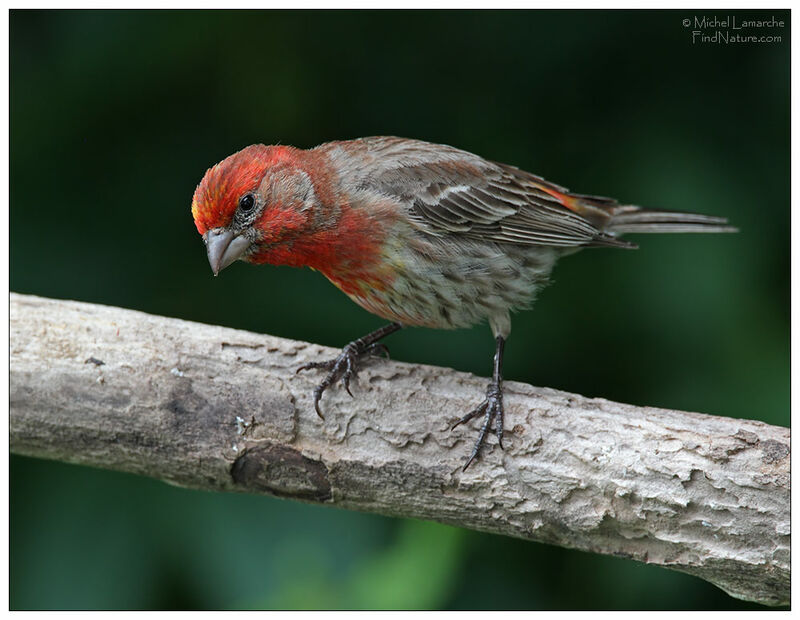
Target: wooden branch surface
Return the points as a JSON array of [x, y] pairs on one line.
[[221, 409]]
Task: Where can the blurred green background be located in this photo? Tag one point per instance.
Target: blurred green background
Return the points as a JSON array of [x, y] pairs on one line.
[[116, 115]]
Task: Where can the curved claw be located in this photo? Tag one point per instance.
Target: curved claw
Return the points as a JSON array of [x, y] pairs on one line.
[[469, 460], [378, 348], [475, 412], [310, 365], [346, 383], [317, 397]]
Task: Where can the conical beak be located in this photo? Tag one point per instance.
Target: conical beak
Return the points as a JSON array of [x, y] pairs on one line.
[[224, 247]]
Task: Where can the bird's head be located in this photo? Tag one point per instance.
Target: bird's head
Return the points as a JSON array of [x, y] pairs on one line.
[[253, 202]]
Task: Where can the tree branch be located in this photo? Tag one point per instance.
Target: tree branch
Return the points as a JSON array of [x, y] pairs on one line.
[[220, 409]]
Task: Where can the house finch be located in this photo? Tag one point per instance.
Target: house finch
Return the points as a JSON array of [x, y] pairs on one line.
[[417, 233]]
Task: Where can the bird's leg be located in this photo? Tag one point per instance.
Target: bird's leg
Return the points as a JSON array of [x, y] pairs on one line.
[[491, 407], [344, 366]]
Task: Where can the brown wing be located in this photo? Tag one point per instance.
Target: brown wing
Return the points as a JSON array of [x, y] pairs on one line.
[[454, 192]]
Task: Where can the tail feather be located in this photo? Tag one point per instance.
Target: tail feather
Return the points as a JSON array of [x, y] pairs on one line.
[[631, 219]]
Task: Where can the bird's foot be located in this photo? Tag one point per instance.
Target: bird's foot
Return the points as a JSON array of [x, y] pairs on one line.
[[492, 409], [344, 367]]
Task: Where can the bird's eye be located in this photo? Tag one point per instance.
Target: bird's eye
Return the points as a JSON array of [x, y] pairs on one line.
[[246, 203]]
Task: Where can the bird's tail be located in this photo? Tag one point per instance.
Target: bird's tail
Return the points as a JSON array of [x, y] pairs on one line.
[[632, 219]]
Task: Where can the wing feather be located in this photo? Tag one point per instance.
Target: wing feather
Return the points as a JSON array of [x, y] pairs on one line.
[[449, 191]]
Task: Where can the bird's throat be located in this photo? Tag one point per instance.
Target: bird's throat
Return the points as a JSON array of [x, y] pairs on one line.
[[348, 253]]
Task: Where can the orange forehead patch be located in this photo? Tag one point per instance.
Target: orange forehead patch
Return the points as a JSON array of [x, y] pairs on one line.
[[217, 195]]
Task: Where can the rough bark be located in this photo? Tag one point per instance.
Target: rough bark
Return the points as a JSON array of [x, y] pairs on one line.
[[221, 409]]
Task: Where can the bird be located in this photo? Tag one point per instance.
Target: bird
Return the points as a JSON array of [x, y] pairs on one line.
[[420, 234]]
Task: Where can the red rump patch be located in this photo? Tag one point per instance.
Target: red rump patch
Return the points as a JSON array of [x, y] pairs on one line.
[[217, 196]]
